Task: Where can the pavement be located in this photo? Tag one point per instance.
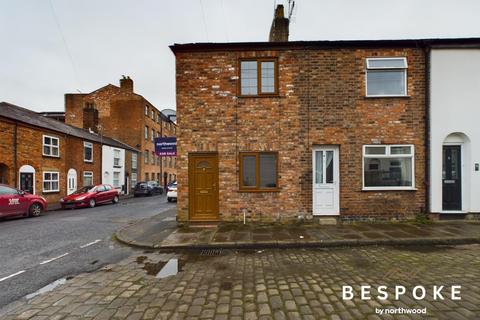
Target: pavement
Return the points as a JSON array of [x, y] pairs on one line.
[[268, 284], [150, 233], [59, 244]]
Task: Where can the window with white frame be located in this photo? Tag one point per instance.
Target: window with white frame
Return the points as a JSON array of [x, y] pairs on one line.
[[116, 179], [87, 178], [51, 146], [133, 180], [146, 110], [388, 167], [88, 152], [153, 115], [386, 77], [146, 132], [116, 158], [50, 181], [134, 161]]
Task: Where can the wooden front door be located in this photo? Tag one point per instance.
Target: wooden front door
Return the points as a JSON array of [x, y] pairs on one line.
[[203, 187]]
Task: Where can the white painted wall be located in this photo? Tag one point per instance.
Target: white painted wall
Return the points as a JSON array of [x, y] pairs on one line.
[[455, 108], [108, 168]]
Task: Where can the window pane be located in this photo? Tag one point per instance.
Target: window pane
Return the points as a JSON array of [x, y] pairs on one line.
[[46, 150], [375, 150], [318, 167], [268, 77], [401, 150], [248, 76], [388, 172], [55, 151], [268, 171], [55, 142], [386, 82], [88, 153], [47, 176], [249, 171], [46, 140], [387, 63], [329, 167]]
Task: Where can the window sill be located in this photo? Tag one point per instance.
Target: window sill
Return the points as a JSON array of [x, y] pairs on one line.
[[261, 96], [259, 190], [88, 161], [49, 156], [52, 191], [388, 96], [389, 189]]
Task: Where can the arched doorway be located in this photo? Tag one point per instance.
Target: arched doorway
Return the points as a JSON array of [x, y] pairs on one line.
[[455, 178], [3, 173], [27, 178], [71, 181]]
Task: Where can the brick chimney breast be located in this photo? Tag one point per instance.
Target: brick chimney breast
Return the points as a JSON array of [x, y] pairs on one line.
[[126, 84], [280, 25]]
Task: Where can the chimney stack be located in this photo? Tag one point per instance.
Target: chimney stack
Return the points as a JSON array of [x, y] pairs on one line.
[[279, 28], [126, 84]]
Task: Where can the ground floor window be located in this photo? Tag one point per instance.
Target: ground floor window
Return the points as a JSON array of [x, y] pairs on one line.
[[133, 179], [87, 178], [116, 179], [50, 181], [258, 171], [388, 167]]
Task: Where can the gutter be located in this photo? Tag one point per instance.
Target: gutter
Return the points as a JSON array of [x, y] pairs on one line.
[[427, 49]]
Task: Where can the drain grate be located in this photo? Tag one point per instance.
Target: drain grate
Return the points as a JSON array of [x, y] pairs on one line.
[[211, 252]]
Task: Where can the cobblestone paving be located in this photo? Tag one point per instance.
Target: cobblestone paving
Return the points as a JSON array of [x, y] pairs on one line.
[[268, 284]]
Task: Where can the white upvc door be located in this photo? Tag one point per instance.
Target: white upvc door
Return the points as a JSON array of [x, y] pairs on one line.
[[71, 181], [326, 180]]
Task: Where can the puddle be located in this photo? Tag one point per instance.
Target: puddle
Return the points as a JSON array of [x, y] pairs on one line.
[[47, 288], [164, 269]]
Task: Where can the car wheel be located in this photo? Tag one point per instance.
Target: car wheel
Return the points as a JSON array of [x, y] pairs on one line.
[[35, 210], [169, 199], [115, 199], [91, 203]]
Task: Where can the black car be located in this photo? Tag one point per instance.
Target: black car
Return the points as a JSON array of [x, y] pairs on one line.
[[147, 188]]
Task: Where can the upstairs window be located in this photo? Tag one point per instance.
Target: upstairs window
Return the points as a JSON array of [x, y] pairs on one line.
[[153, 115], [386, 77], [153, 135], [388, 167], [258, 171], [88, 152], [51, 146], [145, 157], [146, 132], [258, 77], [134, 161], [146, 111], [116, 158]]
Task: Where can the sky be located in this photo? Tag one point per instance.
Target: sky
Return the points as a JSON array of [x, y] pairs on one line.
[[52, 47]]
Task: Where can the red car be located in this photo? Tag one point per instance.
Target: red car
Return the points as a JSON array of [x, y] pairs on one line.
[[90, 196], [15, 202]]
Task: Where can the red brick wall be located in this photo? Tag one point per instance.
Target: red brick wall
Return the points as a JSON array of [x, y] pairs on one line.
[[321, 101]]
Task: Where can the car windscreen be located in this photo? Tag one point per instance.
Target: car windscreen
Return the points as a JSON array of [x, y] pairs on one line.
[[84, 190]]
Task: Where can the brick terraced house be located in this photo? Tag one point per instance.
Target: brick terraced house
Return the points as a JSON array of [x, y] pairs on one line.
[[274, 131], [119, 112], [46, 157]]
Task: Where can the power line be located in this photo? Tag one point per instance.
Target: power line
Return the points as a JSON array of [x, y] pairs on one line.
[[69, 55]]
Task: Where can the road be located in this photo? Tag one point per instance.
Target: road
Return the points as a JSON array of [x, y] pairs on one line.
[[37, 251]]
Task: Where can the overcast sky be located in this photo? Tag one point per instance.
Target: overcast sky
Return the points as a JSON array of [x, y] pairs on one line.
[[51, 47]]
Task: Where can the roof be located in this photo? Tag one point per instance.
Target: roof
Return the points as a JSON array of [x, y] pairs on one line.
[[30, 117], [325, 44]]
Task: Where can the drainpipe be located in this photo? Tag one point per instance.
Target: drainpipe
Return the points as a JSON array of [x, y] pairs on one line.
[[15, 155], [427, 127]]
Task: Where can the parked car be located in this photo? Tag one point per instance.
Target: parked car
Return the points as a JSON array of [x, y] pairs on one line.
[[171, 184], [14, 202], [90, 196], [172, 192], [147, 188]]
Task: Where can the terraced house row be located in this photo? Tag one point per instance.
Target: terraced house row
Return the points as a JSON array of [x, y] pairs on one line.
[[47, 157], [334, 130]]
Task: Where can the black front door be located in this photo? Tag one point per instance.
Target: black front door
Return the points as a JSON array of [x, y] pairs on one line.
[[26, 182], [452, 178]]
